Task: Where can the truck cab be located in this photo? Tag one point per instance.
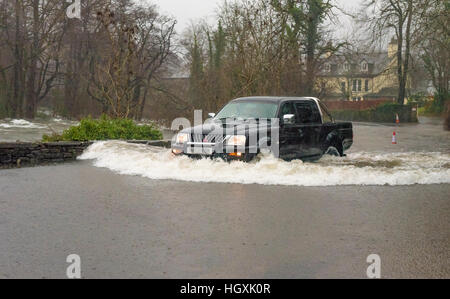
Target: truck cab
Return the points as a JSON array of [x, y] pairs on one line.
[[293, 128], [309, 130]]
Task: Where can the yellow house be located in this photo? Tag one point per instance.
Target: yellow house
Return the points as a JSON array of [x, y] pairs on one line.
[[360, 76]]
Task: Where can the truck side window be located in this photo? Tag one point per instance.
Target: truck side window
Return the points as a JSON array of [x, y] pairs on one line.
[[327, 118], [308, 113], [287, 108]]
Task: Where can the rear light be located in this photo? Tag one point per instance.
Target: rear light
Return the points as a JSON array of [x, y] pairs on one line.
[[235, 155]]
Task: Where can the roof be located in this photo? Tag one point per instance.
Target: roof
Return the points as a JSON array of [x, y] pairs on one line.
[[377, 64]]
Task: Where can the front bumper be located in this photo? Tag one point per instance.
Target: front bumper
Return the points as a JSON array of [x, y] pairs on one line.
[[213, 151]]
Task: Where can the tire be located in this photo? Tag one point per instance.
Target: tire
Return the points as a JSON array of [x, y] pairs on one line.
[[332, 151], [335, 150]]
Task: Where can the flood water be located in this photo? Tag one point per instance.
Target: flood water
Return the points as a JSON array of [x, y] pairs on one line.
[[422, 156], [12, 130], [137, 207]]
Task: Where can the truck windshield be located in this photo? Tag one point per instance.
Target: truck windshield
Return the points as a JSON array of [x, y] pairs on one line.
[[248, 110]]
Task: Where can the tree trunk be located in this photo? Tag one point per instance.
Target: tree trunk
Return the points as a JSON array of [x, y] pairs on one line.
[[136, 100], [31, 99], [311, 45], [142, 103], [16, 100], [73, 72], [310, 69], [447, 120], [402, 93]]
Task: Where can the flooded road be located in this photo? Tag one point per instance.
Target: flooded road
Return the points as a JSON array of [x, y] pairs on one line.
[[360, 168], [22, 130], [12, 130], [422, 156], [130, 212]]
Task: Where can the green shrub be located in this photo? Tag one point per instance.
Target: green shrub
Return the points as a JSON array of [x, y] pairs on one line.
[[389, 108], [106, 128], [437, 106]]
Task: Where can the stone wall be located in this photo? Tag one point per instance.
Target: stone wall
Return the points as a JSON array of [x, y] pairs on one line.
[[20, 154]]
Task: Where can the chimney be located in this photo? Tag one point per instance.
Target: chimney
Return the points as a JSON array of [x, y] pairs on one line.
[[393, 48]]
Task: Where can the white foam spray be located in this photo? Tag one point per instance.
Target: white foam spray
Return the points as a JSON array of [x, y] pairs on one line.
[[21, 123], [356, 169]]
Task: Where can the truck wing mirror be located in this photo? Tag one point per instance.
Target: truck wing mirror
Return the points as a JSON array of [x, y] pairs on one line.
[[212, 115], [288, 119]]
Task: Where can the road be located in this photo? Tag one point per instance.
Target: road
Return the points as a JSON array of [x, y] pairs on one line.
[[125, 226]]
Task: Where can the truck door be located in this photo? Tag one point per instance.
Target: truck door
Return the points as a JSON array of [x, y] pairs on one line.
[[289, 133], [328, 126], [310, 128]]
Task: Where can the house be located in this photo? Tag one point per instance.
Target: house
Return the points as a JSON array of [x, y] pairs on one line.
[[360, 76]]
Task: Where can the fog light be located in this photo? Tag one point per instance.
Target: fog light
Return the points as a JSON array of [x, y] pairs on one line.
[[177, 152]]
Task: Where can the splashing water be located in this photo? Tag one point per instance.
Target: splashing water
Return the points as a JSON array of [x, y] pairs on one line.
[[356, 169], [31, 131], [21, 123]]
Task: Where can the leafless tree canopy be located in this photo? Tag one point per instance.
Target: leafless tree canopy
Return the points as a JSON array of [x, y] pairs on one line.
[[420, 28], [104, 62], [119, 58], [267, 47]]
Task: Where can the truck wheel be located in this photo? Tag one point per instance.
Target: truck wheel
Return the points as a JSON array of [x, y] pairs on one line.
[[332, 151], [249, 158], [335, 150]]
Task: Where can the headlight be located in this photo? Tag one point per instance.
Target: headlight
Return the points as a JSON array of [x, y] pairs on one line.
[[238, 140], [182, 138]]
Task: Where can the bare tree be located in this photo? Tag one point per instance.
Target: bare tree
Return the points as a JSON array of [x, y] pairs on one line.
[[113, 73], [399, 17], [46, 56], [32, 32], [272, 47], [434, 43], [155, 35], [139, 43]]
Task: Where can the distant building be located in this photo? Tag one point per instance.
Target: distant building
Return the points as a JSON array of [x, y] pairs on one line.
[[361, 76]]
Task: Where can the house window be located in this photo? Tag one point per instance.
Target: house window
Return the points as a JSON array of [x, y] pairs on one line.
[[364, 66], [328, 68], [366, 85], [357, 85], [346, 67], [343, 86]]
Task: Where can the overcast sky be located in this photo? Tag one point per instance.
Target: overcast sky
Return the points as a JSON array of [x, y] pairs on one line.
[[186, 11]]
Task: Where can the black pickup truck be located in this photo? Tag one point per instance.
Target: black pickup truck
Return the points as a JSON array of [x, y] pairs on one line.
[[289, 128]]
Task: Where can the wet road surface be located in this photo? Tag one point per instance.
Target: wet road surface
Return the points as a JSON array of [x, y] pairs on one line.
[[126, 226]]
